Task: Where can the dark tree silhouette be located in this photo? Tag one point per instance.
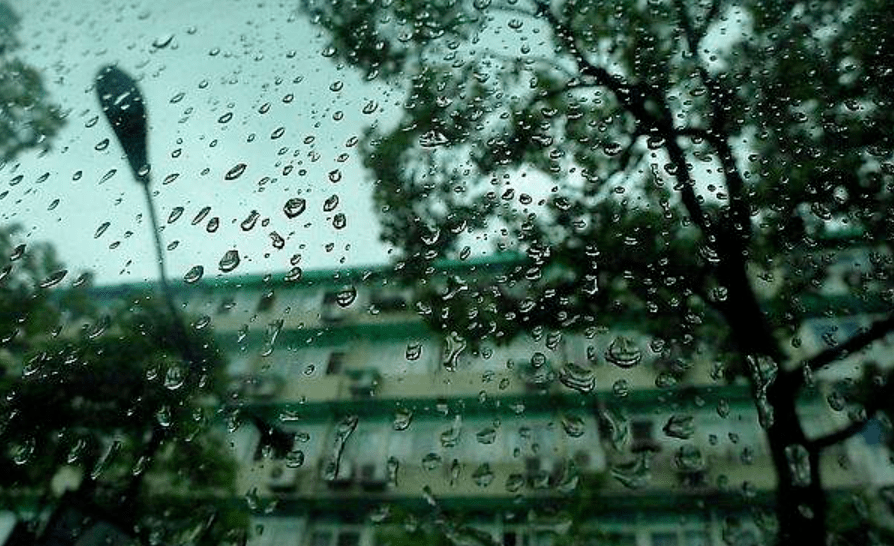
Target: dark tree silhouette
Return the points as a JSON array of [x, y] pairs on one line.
[[678, 163]]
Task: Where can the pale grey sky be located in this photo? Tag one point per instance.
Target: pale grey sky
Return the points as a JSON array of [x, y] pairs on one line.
[[223, 57]]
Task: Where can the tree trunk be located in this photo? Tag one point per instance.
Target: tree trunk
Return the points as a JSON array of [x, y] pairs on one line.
[[800, 499]]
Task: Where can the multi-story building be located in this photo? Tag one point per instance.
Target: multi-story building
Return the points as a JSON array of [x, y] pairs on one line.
[[384, 427], [354, 424]]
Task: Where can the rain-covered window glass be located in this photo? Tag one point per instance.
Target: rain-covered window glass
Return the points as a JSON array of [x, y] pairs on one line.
[[446, 272]]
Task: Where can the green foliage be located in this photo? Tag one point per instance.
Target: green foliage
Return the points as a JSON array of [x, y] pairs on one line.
[[103, 401], [27, 118]]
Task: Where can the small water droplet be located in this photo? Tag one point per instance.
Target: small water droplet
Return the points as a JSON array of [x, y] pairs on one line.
[[402, 419], [483, 475], [250, 220], [53, 278], [175, 215], [235, 172], [293, 275], [486, 436], [229, 261], [414, 350], [330, 203], [573, 426], [431, 461], [194, 274], [213, 224], [101, 145], [680, 426], [294, 207], [162, 41], [201, 215]]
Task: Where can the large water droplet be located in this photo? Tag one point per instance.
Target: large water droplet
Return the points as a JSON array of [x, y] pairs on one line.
[[339, 221], [623, 353], [229, 261], [578, 378], [680, 426], [294, 207], [346, 296], [330, 203], [634, 474]]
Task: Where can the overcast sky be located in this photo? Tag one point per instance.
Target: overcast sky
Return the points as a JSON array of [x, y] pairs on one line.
[[223, 57]]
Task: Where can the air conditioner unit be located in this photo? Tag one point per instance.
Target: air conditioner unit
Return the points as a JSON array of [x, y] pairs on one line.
[[281, 477], [363, 383], [262, 387]]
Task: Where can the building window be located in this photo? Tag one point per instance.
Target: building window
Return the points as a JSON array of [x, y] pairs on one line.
[[643, 435], [266, 302], [336, 362]]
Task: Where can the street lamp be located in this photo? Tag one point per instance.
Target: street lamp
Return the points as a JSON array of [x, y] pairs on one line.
[[124, 107]]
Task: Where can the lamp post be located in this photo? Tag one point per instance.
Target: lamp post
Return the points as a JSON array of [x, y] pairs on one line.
[[124, 107]]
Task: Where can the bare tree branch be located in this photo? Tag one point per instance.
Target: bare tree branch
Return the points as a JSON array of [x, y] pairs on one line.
[[829, 440], [858, 341]]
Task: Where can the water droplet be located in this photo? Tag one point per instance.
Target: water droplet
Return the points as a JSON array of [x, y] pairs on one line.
[[194, 274], [162, 41], [101, 145], [99, 327], [213, 224], [225, 118], [202, 322], [799, 464], [578, 378], [370, 107], [450, 437], [455, 345], [176, 212], [250, 220], [573, 426], [294, 207], [330, 203], [486, 436], [514, 482], [336, 86], [689, 458], [402, 419], [295, 458], [293, 275], [414, 351], [623, 353], [621, 388], [634, 474], [201, 215], [339, 221], [483, 475], [235, 172], [680, 426], [273, 330], [431, 461], [229, 261], [53, 278], [174, 378], [346, 296], [278, 132], [433, 139], [177, 97]]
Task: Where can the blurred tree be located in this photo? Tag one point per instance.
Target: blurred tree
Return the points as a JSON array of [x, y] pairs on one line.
[[27, 118], [102, 402], [674, 163]]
